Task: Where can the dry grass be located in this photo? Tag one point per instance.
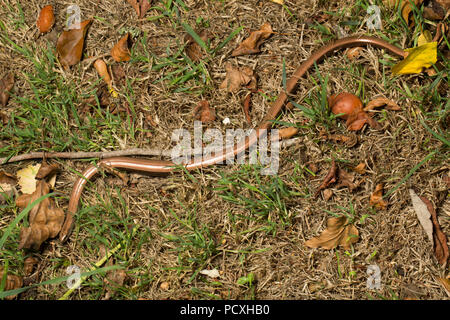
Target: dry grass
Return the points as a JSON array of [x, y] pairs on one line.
[[217, 233]]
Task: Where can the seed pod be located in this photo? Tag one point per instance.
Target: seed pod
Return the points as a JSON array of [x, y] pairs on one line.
[[46, 19], [102, 70]]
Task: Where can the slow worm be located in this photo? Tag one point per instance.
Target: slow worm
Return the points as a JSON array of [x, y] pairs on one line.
[[159, 166]]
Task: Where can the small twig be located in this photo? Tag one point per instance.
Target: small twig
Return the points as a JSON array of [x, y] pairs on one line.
[[105, 154]]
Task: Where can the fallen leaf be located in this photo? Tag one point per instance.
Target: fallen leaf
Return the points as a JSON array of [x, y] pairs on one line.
[[45, 219], [70, 45], [120, 51], [237, 77], [204, 113], [286, 133], [28, 265], [417, 59], [46, 19], [193, 49], [329, 178], [278, 1], [118, 72], [436, 9], [406, 9], [338, 232], [376, 198], [12, 282], [47, 170], [441, 250], [252, 43], [381, 101], [214, 273], [7, 186], [140, 6], [360, 168], [422, 213], [6, 84], [345, 179], [424, 37], [27, 178], [246, 105], [445, 283]]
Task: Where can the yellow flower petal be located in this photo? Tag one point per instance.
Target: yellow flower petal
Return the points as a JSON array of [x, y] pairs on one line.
[[418, 58]]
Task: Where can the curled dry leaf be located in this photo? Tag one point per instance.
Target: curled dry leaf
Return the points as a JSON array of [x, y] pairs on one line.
[[338, 232], [46, 19], [47, 170], [237, 77], [329, 178], [70, 44], [6, 84], [252, 43], [193, 49], [286, 133], [120, 52], [204, 113], [12, 282], [360, 168], [379, 102], [247, 102], [140, 6], [45, 219], [376, 198], [346, 179], [351, 108], [441, 251]]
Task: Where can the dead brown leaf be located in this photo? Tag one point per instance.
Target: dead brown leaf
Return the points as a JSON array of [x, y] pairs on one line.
[[286, 133], [47, 170], [6, 84], [12, 282], [441, 251], [360, 168], [345, 179], [381, 101], [120, 52], [436, 9], [45, 219], [252, 43], [237, 77], [28, 265], [338, 232], [204, 112], [70, 45], [193, 49], [140, 6], [376, 198], [329, 178]]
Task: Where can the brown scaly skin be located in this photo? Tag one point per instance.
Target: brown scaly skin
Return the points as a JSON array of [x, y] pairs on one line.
[[158, 166]]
